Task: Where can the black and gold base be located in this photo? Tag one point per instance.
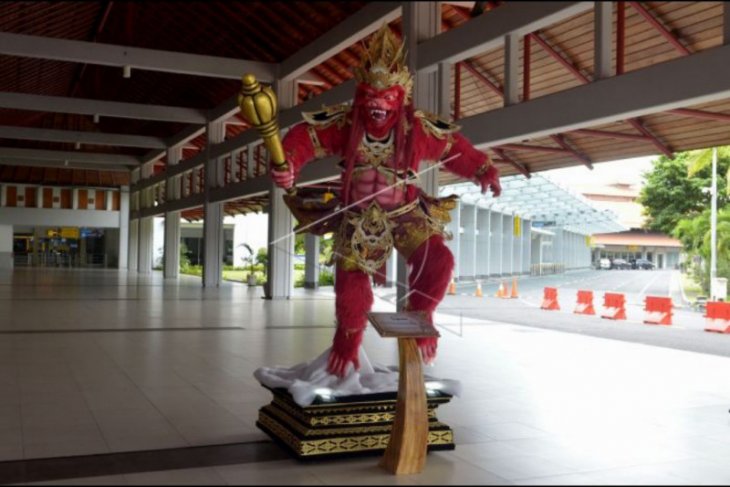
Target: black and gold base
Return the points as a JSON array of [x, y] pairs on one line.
[[343, 426]]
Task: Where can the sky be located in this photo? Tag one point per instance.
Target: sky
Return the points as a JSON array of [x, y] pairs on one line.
[[623, 171]]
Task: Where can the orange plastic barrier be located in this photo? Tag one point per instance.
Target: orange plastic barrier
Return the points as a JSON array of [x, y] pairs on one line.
[[550, 299], [584, 306], [658, 310], [614, 305], [718, 317], [478, 292]]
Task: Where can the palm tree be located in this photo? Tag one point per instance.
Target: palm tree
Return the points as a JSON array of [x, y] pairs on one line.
[[697, 162]]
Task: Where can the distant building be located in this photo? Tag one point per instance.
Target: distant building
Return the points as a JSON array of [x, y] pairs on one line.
[[664, 251]]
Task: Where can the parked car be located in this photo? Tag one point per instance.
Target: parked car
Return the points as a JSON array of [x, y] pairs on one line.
[[642, 264], [604, 264], [620, 264]]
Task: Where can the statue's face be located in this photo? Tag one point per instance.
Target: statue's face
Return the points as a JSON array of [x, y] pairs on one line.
[[380, 108]]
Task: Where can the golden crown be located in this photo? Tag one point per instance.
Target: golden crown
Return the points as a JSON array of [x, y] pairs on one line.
[[383, 63]]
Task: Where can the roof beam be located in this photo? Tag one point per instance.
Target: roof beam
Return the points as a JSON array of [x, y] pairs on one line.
[[631, 95], [358, 25], [137, 58], [70, 156], [139, 111], [487, 32], [74, 136], [14, 161]]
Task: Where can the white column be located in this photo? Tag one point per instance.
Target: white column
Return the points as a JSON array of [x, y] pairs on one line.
[[145, 235], [311, 261], [6, 246], [124, 224], [506, 244], [467, 246], [280, 273], [391, 271], [213, 219], [146, 239], [526, 246], [482, 247], [75, 198], [454, 244], [171, 263], [495, 243], [132, 259], [3, 194], [421, 21]]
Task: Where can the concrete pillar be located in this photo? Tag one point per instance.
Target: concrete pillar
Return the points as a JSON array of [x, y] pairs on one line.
[[421, 21], [213, 219], [311, 261], [132, 254], [391, 271], [507, 248], [279, 276], [482, 247], [124, 222], [454, 244], [146, 239], [280, 247], [171, 259], [467, 248], [526, 246], [495, 243], [3, 194], [75, 198], [6, 246]]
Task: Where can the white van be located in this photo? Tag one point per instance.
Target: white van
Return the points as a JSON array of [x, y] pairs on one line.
[[604, 264]]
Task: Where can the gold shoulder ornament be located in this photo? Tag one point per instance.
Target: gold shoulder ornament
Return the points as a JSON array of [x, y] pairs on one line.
[[435, 125], [335, 114]]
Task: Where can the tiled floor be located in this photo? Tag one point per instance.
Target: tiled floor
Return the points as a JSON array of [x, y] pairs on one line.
[[539, 406]]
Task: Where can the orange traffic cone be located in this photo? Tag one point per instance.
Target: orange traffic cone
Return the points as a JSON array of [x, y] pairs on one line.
[[501, 291], [478, 292], [514, 294], [452, 286]]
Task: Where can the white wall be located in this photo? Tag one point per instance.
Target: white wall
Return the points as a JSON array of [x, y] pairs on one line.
[[251, 229]]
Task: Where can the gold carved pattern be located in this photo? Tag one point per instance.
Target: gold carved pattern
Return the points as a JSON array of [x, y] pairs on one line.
[[293, 424], [336, 417], [383, 62], [328, 446]]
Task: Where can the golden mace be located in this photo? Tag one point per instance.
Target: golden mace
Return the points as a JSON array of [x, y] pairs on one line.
[[259, 108]]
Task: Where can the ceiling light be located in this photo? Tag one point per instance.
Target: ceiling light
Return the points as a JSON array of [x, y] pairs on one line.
[[96, 118]]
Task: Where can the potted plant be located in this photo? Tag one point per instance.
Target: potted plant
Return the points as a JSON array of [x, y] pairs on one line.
[[250, 260]]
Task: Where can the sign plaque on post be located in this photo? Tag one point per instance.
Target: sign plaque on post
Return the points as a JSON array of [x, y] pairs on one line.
[[408, 444]]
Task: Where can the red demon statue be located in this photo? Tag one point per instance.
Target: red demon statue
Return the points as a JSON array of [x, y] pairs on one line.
[[382, 140]]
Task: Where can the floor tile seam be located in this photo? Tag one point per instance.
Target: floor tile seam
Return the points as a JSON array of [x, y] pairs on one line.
[[480, 467], [641, 464], [90, 410], [141, 391]]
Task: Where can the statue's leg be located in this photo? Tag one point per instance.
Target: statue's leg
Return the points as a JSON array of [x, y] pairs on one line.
[[353, 299], [428, 279]]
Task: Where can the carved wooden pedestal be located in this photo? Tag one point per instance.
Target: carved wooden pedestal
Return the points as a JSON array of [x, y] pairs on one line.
[[407, 448]]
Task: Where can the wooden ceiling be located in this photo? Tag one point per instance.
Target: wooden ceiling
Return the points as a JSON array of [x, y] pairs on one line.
[[561, 57]]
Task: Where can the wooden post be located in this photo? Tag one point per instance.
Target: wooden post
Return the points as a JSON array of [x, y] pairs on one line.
[[408, 444], [406, 451]]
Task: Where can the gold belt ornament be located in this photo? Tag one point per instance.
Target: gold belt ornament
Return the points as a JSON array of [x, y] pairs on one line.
[[372, 239]]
